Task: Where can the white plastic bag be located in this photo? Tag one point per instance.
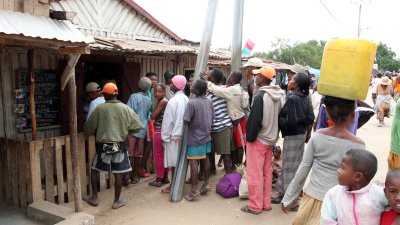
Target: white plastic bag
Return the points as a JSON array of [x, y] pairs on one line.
[[243, 188]]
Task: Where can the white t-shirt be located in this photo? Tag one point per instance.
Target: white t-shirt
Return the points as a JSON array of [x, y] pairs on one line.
[[94, 103], [374, 84]]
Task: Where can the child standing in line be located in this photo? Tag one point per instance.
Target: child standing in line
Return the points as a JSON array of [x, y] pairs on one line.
[[140, 103], [356, 200], [392, 192], [158, 149], [199, 115]]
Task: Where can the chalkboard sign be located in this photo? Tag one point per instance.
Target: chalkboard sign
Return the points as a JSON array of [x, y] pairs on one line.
[[47, 99]]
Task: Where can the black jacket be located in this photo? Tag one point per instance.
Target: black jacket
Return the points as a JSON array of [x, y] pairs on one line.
[[296, 115]]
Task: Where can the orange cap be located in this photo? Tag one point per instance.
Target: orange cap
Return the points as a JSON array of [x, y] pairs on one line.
[[110, 88], [266, 71]]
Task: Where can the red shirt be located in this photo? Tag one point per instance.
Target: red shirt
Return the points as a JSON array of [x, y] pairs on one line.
[[388, 217]]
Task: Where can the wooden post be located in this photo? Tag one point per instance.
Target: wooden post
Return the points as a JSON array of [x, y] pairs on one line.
[[74, 141], [31, 54], [201, 63], [202, 57], [237, 36]]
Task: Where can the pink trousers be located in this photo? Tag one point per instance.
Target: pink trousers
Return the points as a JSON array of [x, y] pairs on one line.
[[158, 154], [259, 175]]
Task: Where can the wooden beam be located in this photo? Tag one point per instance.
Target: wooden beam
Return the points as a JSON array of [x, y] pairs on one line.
[[38, 41], [31, 55], [74, 50], [62, 15], [69, 70], [74, 140]]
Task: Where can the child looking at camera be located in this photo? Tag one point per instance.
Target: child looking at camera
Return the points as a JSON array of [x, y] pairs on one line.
[[356, 200], [392, 192]]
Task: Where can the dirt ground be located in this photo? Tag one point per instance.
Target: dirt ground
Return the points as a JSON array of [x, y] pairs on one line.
[[147, 206]]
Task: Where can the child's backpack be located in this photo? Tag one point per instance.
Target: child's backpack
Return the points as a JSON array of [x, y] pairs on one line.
[[228, 185]]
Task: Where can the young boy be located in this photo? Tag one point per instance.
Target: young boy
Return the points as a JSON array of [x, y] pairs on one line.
[[355, 200], [199, 115], [392, 192], [140, 103], [277, 163]]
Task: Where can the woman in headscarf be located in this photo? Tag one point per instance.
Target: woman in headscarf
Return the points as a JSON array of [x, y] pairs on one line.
[[384, 93], [296, 115]]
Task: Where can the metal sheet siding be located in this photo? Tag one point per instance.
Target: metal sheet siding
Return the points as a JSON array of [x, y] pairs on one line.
[[112, 18], [27, 25]]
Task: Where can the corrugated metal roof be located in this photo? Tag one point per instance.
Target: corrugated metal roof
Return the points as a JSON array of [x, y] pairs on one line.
[[27, 25], [147, 47], [268, 62]]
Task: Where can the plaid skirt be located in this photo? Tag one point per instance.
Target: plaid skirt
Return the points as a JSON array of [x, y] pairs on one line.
[[292, 154]]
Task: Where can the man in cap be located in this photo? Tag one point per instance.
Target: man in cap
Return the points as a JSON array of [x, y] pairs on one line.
[[93, 90], [262, 134], [252, 64], [110, 123], [294, 69], [141, 104], [172, 125]]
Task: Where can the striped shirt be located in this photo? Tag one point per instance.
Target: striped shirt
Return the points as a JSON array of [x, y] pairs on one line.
[[221, 119]]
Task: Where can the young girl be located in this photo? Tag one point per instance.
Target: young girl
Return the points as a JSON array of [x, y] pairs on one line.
[[158, 149], [392, 192], [355, 201], [324, 154]]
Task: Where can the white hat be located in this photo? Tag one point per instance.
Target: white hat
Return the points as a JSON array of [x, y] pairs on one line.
[[254, 62], [92, 87], [297, 68]]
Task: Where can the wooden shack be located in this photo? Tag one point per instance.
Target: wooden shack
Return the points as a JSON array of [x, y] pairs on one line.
[[126, 42]]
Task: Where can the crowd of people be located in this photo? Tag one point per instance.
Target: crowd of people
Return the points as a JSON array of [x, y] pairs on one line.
[[243, 127]]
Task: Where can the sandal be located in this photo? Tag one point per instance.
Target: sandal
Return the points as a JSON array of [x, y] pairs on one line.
[[135, 180], [165, 180], [267, 209], [204, 189], [91, 201], [246, 209], [142, 173], [119, 204], [277, 199], [294, 209], [166, 190], [192, 196], [156, 183]]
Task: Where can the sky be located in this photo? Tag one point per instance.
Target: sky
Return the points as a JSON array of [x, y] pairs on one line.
[[296, 20]]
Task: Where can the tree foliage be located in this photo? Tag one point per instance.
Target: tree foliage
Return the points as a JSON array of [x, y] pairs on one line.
[[386, 58], [305, 53]]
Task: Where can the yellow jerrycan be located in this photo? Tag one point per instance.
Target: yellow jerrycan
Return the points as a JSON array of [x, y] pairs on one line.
[[346, 68]]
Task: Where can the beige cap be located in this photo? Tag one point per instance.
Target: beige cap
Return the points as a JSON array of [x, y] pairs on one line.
[[254, 62], [92, 87], [297, 68]]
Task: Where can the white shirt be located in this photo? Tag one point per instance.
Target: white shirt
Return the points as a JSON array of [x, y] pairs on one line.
[[374, 83], [94, 103], [172, 125]]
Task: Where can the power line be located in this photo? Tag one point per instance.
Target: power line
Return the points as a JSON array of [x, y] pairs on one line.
[[329, 11]]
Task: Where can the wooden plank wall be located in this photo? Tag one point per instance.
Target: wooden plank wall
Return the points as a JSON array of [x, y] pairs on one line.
[[34, 7], [12, 59], [21, 182]]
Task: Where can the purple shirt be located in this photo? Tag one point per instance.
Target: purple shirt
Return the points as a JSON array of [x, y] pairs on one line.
[[199, 115]]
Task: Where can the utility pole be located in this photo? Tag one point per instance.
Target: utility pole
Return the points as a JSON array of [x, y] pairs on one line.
[[202, 58], [237, 35], [360, 3]]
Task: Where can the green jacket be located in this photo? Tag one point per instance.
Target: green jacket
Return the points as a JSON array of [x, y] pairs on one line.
[[111, 122]]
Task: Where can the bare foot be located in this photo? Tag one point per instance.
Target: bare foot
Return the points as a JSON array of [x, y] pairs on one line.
[[92, 201], [166, 190], [119, 204]]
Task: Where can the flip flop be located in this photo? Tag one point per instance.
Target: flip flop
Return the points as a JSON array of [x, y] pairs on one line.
[[246, 209], [267, 209], [135, 180], [204, 189], [294, 208], [166, 190], [119, 204], [91, 201], [156, 183], [192, 196]]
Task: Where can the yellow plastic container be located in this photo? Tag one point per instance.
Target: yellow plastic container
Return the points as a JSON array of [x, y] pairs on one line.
[[346, 68]]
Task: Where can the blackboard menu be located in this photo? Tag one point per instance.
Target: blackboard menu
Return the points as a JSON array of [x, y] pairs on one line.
[[47, 99]]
